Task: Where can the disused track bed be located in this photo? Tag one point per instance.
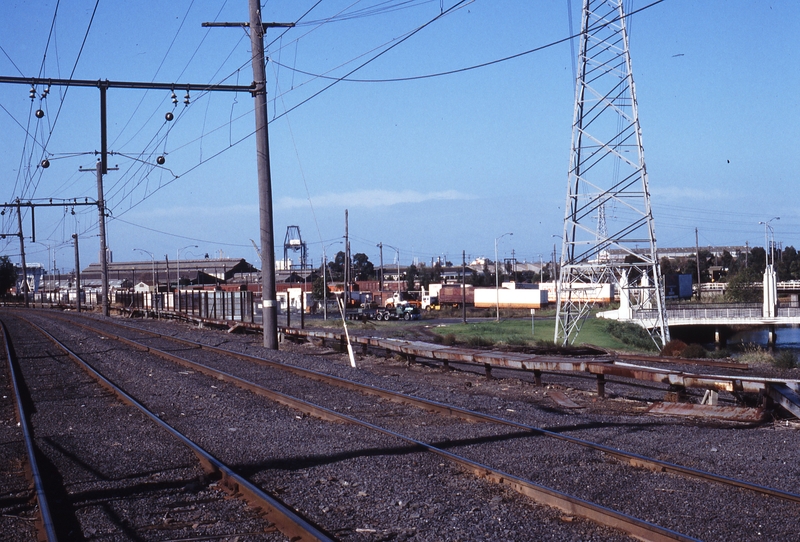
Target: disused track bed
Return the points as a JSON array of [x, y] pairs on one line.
[[564, 467]]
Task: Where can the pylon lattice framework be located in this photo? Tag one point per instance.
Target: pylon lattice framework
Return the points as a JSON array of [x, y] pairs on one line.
[[608, 224]]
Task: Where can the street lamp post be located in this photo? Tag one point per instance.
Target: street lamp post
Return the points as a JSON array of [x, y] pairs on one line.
[[178, 264], [497, 275], [398, 267], [769, 251], [541, 270]]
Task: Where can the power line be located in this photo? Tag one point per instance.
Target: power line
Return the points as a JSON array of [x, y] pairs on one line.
[[459, 70]]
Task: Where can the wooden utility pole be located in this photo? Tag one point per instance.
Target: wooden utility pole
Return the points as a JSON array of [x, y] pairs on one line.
[[268, 298]]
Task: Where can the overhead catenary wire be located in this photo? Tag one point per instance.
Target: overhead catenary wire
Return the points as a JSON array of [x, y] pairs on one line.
[[63, 97]]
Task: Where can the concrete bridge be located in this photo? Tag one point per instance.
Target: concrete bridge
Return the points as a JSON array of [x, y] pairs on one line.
[[767, 314]]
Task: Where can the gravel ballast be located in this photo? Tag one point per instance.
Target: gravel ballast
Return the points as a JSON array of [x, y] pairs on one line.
[[363, 486]]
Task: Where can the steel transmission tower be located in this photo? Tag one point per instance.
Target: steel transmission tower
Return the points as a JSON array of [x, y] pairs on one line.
[[608, 224]]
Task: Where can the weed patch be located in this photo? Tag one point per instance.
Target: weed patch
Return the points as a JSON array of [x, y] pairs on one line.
[[631, 334], [785, 360], [755, 355]]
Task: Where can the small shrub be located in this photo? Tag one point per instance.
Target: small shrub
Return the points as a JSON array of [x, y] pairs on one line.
[[437, 339], [516, 341], [673, 348], [449, 339], [785, 359], [694, 351]]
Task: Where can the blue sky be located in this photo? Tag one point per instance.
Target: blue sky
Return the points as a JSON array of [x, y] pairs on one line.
[[431, 166]]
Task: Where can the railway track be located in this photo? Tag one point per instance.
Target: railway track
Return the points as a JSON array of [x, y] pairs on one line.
[[488, 446], [72, 418]]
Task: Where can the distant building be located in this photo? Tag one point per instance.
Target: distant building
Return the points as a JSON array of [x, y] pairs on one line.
[[192, 272]]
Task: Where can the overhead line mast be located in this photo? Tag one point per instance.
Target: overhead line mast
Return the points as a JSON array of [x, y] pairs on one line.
[[259, 91]]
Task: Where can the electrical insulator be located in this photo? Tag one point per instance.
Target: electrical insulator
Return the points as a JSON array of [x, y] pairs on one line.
[[46, 92], [33, 92], [160, 160], [186, 98], [39, 113], [169, 115], [45, 163], [174, 98]]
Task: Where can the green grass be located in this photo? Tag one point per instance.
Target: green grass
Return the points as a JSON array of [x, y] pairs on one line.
[[517, 332]]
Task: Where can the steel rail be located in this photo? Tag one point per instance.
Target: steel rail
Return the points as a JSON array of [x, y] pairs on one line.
[[44, 524], [288, 521], [635, 460], [539, 493]]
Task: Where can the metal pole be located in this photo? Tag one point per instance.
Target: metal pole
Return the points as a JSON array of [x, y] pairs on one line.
[[102, 220], [697, 252], [22, 255], [346, 260], [324, 285], [77, 275], [380, 284], [268, 298], [496, 283], [464, 286]]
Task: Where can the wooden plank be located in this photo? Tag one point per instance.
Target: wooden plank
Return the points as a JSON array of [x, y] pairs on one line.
[[562, 400], [734, 414]]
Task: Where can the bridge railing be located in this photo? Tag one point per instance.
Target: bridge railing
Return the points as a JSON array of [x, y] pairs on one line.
[[696, 313], [717, 312]]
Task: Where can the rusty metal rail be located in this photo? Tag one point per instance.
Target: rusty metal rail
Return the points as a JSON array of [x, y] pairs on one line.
[[540, 493], [288, 521], [635, 460], [44, 520]]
